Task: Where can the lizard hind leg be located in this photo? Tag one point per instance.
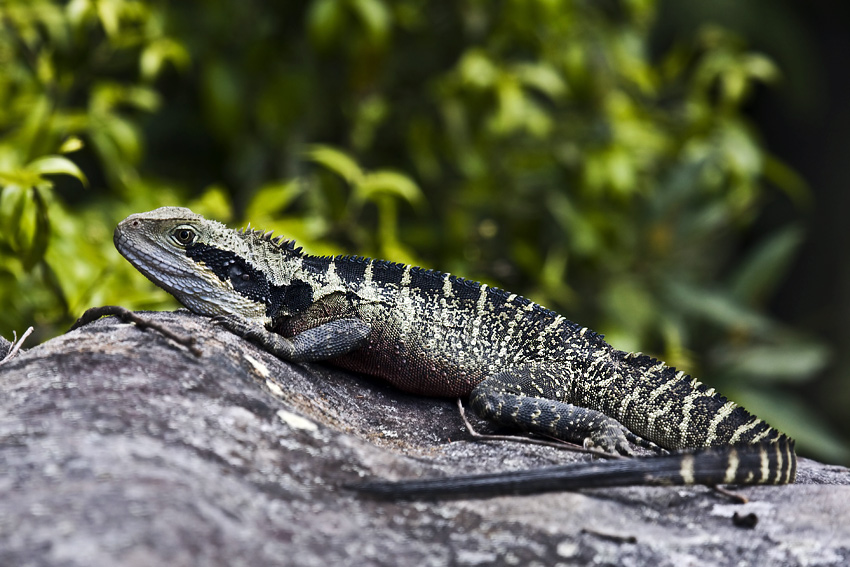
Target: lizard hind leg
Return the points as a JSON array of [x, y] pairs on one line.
[[530, 397]]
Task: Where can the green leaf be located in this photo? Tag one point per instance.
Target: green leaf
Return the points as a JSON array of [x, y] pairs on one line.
[[392, 183], [787, 180], [273, 198], [789, 361], [57, 165], [760, 67], [512, 109], [38, 113], [764, 268], [143, 98], [718, 308], [324, 20], [78, 10], [476, 70], [741, 152], [38, 230], [125, 136], [376, 19], [158, 53], [107, 10], [629, 310], [337, 161], [542, 77], [72, 144], [12, 201], [213, 203], [25, 224]]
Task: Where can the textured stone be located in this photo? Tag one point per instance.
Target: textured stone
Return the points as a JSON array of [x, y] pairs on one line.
[[119, 447]]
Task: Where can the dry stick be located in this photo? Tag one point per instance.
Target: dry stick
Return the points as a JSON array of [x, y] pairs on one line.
[[731, 494], [610, 537], [16, 344], [128, 316]]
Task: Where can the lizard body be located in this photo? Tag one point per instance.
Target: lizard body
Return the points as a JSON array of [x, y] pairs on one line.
[[436, 334]]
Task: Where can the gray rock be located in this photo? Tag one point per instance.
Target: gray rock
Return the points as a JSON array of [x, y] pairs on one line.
[[120, 447]]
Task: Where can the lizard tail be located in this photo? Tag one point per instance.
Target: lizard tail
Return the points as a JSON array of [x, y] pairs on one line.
[[768, 463]]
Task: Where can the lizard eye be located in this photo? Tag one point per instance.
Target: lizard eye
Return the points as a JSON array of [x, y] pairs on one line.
[[183, 235]]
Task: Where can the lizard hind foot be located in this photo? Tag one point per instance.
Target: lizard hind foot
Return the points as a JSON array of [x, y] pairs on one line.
[[613, 437], [561, 420], [610, 436]]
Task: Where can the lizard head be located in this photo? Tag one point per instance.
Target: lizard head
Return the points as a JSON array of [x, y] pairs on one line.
[[209, 268]]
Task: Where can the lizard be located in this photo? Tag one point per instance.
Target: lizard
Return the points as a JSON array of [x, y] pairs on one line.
[[431, 333]]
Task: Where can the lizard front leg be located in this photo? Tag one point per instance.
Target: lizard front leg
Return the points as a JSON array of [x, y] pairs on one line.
[[323, 342], [529, 397]]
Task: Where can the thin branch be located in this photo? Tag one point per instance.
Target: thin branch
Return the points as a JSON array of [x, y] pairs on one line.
[[16, 346], [732, 495], [128, 316]]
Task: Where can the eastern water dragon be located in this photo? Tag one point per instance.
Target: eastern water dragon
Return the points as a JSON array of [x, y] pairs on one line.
[[431, 333]]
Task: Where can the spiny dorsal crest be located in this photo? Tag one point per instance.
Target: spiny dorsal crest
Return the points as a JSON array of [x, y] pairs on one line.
[[284, 244]]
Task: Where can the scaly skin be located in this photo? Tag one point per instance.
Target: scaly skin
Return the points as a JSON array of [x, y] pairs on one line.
[[435, 334]]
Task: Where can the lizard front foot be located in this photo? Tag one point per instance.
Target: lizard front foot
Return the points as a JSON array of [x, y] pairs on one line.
[[322, 342]]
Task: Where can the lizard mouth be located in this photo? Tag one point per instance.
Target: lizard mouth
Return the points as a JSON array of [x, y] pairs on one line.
[[140, 258], [169, 271]]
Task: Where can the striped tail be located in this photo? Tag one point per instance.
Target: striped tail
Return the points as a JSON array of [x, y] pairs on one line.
[[766, 463]]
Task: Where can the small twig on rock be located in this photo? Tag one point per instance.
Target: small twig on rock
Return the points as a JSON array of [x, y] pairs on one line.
[[128, 316], [730, 494], [16, 345], [616, 538]]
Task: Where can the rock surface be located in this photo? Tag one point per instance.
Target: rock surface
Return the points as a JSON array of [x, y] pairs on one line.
[[120, 447]]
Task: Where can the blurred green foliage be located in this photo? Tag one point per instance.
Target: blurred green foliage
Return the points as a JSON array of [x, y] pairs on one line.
[[539, 145]]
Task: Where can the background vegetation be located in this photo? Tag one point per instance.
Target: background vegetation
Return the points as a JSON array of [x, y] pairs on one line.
[[585, 154]]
